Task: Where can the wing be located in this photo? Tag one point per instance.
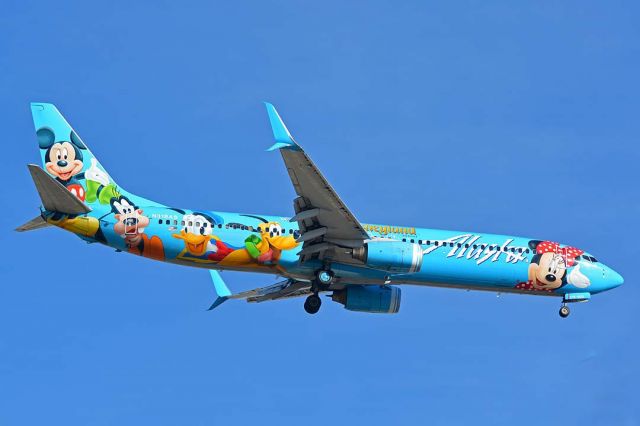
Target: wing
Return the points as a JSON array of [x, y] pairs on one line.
[[282, 290], [325, 222]]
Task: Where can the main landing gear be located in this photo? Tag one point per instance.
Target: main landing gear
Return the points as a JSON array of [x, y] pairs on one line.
[[324, 278], [564, 310], [312, 304]]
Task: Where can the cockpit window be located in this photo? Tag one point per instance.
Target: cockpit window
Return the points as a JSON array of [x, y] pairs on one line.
[[590, 258]]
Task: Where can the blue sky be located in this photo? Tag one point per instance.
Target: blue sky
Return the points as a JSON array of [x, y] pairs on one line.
[[487, 116]]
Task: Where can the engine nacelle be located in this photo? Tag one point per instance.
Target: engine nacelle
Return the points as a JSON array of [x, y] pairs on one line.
[[369, 298], [397, 257]]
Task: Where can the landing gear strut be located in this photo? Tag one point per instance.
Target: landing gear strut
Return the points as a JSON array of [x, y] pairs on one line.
[[564, 311], [312, 304], [324, 279]]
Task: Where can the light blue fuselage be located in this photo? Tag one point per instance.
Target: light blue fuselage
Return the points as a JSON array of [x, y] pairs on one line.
[[450, 263]]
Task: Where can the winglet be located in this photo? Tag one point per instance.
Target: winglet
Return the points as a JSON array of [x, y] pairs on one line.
[[221, 289], [280, 132]]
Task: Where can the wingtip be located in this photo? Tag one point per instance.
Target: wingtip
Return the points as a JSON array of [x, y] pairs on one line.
[[219, 301], [281, 134], [40, 106]]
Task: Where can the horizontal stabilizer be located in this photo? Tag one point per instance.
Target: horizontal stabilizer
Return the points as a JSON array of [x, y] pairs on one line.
[[55, 197], [36, 223]]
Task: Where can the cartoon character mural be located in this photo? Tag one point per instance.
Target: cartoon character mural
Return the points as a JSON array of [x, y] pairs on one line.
[[262, 250], [131, 224], [63, 159], [99, 186], [200, 245], [552, 267]]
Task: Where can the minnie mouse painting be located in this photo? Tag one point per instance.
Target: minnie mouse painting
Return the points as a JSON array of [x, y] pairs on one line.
[[549, 268]]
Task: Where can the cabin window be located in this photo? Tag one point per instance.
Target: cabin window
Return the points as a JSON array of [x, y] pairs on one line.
[[182, 222], [412, 240], [404, 240], [160, 221]]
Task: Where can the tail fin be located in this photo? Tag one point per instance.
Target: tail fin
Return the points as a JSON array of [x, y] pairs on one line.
[[67, 159]]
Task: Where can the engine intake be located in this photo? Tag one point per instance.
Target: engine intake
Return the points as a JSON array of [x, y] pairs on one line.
[[369, 298], [392, 256]]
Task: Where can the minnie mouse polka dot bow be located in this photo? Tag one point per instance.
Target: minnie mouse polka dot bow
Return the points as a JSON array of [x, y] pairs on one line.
[[569, 253]]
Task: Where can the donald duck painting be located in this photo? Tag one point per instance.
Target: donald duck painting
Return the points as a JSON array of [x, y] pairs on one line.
[[200, 243]]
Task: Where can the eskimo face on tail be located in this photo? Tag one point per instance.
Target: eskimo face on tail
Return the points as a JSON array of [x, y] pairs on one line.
[[63, 159], [131, 222], [550, 264]]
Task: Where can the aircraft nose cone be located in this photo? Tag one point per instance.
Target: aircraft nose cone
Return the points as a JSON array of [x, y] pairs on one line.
[[614, 279]]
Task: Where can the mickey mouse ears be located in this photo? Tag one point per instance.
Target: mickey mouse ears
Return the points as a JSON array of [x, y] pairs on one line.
[[46, 138]]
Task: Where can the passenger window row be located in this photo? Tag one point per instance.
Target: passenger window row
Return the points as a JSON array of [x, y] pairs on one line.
[[475, 246], [293, 232]]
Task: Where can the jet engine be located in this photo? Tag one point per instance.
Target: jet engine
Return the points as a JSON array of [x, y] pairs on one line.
[[396, 257], [369, 298]]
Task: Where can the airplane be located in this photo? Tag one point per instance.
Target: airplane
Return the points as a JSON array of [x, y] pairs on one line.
[[321, 248]]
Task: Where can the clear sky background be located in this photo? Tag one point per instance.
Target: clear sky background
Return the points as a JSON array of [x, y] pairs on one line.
[[496, 117]]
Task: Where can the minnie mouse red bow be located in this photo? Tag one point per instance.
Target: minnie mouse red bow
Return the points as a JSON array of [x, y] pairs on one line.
[[569, 253]]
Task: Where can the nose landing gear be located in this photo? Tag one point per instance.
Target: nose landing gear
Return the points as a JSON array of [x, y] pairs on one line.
[[564, 311]]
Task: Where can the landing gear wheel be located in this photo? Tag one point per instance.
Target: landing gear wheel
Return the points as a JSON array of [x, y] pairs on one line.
[[324, 277], [312, 304], [564, 311]]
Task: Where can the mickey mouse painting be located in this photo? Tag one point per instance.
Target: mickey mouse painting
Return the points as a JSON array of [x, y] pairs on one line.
[[549, 266], [63, 159]]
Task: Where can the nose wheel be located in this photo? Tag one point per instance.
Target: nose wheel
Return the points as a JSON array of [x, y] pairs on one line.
[[312, 304], [564, 311]]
